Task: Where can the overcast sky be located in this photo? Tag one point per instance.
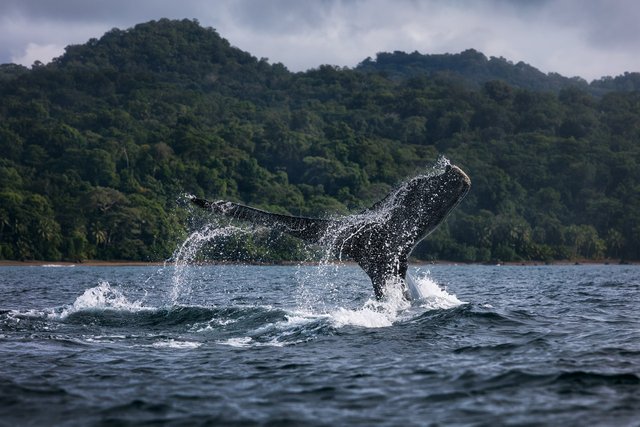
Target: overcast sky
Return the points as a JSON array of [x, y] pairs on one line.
[[586, 38]]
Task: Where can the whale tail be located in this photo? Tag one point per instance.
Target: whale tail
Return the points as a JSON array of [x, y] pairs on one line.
[[381, 239]]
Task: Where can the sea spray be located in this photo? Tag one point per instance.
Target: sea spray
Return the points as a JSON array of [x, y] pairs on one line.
[[427, 293], [322, 288], [101, 297], [188, 251], [319, 287], [354, 237], [375, 313], [564, 337]]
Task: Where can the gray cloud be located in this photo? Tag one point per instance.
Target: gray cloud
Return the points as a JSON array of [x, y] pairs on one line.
[[589, 38]]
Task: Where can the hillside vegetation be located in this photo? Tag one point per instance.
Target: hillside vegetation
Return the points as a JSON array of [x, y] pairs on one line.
[[98, 146]]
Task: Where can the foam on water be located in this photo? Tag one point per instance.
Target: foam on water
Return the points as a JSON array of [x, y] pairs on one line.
[[319, 293], [289, 322], [297, 327], [249, 342], [176, 344], [98, 298], [240, 342], [102, 297], [366, 317], [542, 356], [212, 325], [426, 292], [248, 326], [374, 313]]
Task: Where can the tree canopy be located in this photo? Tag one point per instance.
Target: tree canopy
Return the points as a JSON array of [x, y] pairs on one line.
[[97, 147]]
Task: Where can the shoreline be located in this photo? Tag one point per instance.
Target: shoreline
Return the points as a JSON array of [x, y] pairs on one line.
[[87, 263], [122, 263]]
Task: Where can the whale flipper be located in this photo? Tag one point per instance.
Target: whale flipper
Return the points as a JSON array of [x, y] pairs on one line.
[[381, 238]]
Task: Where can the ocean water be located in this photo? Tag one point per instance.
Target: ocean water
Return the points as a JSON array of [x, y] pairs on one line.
[[306, 345]]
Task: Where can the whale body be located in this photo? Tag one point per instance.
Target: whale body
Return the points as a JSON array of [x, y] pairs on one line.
[[380, 239]]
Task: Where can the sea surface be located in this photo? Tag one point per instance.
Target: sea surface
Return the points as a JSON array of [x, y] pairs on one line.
[[309, 345]]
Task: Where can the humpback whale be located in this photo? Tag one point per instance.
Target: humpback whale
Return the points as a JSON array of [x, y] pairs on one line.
[[380, 238]]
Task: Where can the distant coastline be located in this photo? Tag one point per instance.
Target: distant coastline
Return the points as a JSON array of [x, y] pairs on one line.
[[88, 263], [124, 263]]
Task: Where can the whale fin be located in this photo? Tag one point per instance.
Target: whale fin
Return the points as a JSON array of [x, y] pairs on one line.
[[308, 229]]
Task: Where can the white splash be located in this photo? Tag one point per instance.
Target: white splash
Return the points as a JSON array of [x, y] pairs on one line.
[[211, 325], [102, 297], [188, 251], [319, 294], [365, 317], [425, 293], [292, 322], [428, 294], [247, 342], [240, 342], [374, 313], [173, 344]]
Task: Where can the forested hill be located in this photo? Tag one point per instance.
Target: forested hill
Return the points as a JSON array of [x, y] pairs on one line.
[[98, 146], [475, 69]]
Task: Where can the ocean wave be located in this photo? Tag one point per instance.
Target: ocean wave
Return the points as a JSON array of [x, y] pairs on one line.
[[594, 379], [102, 297], [572, 380], [176, 344], [187, 318], [426, 292], [294, 328], [471, 315], [426, 295], [300, 326], [107, 306]]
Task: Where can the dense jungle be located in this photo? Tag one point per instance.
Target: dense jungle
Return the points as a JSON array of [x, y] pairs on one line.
[[98, 148]]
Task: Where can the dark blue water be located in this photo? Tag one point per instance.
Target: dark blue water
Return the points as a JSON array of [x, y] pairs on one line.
[[245, 345]]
